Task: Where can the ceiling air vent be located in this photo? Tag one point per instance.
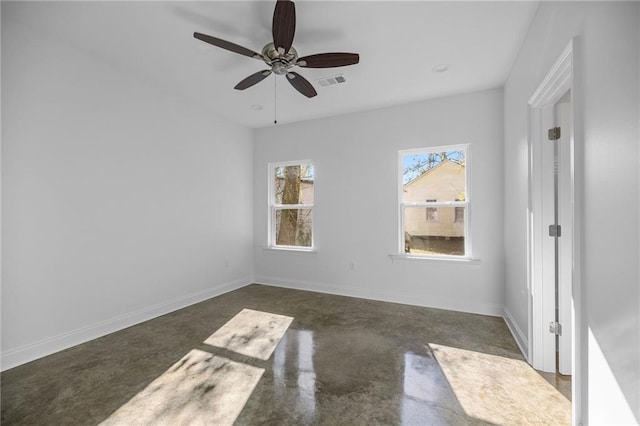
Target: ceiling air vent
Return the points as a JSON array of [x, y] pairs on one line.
[[330, 81]]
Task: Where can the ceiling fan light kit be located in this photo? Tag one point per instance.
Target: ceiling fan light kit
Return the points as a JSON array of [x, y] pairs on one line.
[[280, 55]]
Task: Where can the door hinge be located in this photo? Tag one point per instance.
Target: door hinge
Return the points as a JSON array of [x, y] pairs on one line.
[[555, 230], [554, 134], [555, 328]]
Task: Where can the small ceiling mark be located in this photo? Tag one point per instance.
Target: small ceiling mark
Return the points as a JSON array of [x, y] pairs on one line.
[[440, 68]]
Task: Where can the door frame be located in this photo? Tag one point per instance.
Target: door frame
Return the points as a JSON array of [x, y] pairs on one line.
[[560, 79]]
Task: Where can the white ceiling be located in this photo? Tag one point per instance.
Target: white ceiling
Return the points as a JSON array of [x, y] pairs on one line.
[[399, 44]]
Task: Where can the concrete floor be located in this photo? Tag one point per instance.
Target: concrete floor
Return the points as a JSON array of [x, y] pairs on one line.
[[341, 361]]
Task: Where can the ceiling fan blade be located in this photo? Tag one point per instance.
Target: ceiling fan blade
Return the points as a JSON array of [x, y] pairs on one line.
[[227, 45], [253, 79], [328, 60], [301, 84], [284, 24]]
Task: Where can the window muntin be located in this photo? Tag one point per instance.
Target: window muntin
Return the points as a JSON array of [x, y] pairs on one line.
[[426, 176], [291, 197]]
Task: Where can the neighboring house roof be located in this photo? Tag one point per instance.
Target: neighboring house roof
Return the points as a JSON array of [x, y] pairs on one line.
[[430, 171]]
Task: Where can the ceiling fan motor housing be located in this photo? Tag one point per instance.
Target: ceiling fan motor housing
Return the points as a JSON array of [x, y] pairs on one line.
[[280, 63]]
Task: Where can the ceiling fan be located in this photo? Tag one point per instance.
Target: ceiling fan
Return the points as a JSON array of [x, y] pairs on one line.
[[280, 55]]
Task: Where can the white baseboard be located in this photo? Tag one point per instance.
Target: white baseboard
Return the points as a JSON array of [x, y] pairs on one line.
[[384, 296], [23, 354], [518, 335]]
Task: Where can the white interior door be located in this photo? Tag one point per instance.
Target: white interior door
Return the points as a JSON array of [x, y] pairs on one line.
[[552, 258], [556, 259], [565, 220], [545, 255]]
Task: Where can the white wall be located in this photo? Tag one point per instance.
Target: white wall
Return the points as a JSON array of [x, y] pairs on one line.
[[115, 196], [356, 211], [607, 97]]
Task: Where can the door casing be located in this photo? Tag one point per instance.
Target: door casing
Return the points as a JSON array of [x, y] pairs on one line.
[[559, 80]]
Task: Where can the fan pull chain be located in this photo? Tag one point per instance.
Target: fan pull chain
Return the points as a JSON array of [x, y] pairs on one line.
[[275, 100]]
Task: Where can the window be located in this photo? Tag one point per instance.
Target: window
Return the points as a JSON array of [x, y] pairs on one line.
[[426, 176], [459, 213], [432, 212], [291, 204]]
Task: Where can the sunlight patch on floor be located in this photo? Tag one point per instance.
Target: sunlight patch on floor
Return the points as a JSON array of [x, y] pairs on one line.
[[500, 390], [199, 389], [252, 333], [203, 388]]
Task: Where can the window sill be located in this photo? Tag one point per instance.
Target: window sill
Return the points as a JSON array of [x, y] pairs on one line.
[[434, 259], [303, 251]]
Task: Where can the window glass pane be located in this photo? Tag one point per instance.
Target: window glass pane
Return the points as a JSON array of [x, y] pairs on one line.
[[293, 184], [434, 176], [293, 227], [444, 237]]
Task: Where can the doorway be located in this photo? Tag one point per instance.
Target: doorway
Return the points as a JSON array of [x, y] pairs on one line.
[[552, 221], [552, 228]]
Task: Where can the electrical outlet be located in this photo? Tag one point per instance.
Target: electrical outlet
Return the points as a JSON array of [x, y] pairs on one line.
[[352, 265]]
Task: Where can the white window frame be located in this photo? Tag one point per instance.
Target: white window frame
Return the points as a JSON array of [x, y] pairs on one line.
[[466, 203], [274, 207]]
